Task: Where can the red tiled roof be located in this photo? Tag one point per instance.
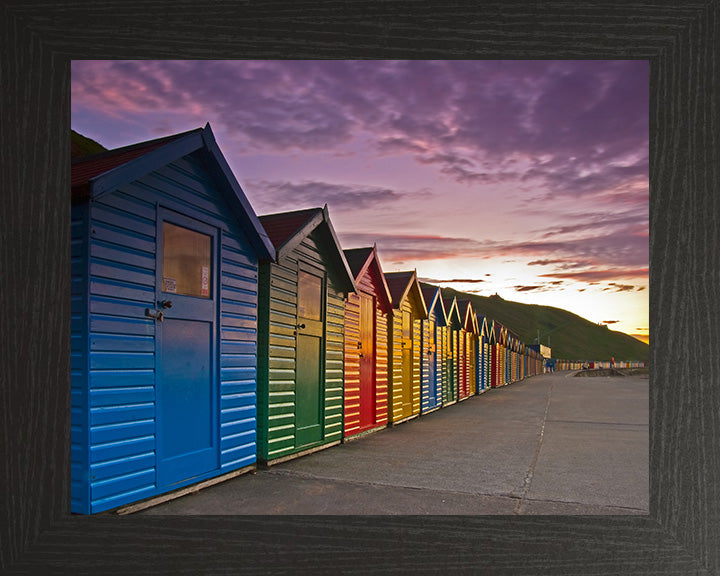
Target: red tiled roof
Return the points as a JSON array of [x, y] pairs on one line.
[[356, 258], [283, 226], [85, 168], [397, 283]]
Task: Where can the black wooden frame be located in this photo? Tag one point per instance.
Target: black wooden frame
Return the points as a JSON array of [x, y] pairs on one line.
[[681, 535]]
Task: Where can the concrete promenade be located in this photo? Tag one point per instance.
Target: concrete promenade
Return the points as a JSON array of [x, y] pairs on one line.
[[550, 444]]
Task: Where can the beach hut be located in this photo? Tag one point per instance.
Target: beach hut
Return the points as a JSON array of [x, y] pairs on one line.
[[405, 374], [466, 346], [366, 344], [499, 354], [492, 348], [473, 336], [165, 251], [434, 341], [482, 355], [454, 324], [301, 336], [505, 339], [513, 344]]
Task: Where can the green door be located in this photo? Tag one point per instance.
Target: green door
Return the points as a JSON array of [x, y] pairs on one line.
[[309, 387]]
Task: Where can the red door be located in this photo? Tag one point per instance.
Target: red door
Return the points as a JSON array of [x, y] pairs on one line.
[[367, 361]]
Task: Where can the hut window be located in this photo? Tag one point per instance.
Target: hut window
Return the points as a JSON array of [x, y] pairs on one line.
[[309, 296], [186, 262]]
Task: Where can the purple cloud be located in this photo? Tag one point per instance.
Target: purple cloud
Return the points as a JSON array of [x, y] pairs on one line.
[[397, 248], [584, 118], [281, 195], [544, 262], [615, 287], [593, 276], [454, 280]]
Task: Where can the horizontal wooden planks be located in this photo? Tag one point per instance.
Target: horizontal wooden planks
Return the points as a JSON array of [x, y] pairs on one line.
[[79, 418], [121, 348], [277, 351], [368, 285], [397, 383]]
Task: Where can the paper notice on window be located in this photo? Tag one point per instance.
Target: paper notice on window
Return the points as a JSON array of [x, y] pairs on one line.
[[170, 285], [205, 281]]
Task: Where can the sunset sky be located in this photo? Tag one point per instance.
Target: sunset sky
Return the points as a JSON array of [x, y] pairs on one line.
[[524, 178]]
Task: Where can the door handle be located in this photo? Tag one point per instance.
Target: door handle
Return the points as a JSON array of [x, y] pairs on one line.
[[155, 314], [301, 326], [165, 303]]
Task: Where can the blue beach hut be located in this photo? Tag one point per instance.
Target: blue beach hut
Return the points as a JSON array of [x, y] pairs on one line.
[[482, 356], [434, 336], [165, 251]]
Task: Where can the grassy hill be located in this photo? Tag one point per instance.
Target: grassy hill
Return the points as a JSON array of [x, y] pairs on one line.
[[570, 336], [82, 145]]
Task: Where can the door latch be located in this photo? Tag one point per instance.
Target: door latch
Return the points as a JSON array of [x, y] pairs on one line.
[[156, 314]]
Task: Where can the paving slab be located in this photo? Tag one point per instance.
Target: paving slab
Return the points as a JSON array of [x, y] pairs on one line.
[[550, 444]]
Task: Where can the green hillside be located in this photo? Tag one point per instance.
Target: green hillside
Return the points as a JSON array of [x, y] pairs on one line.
[[83, 146], [569, 336]]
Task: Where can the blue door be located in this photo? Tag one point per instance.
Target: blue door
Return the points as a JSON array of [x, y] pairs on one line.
[[186, 382], [432, 364]]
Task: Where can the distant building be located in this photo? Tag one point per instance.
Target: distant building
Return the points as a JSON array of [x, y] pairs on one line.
[[545, 351]]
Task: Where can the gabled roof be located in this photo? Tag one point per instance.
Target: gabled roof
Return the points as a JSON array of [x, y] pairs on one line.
[[366, 261], [284, 226], [503, 335], [287, 230], [99, 174], [451, 311], [467, 316], [483, 326], [358, 259], [434, 301], [492, 335], [500, 332], [404, 285], [86, 168]]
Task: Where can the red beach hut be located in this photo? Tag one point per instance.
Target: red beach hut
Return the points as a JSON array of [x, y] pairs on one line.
[[366, 344]]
